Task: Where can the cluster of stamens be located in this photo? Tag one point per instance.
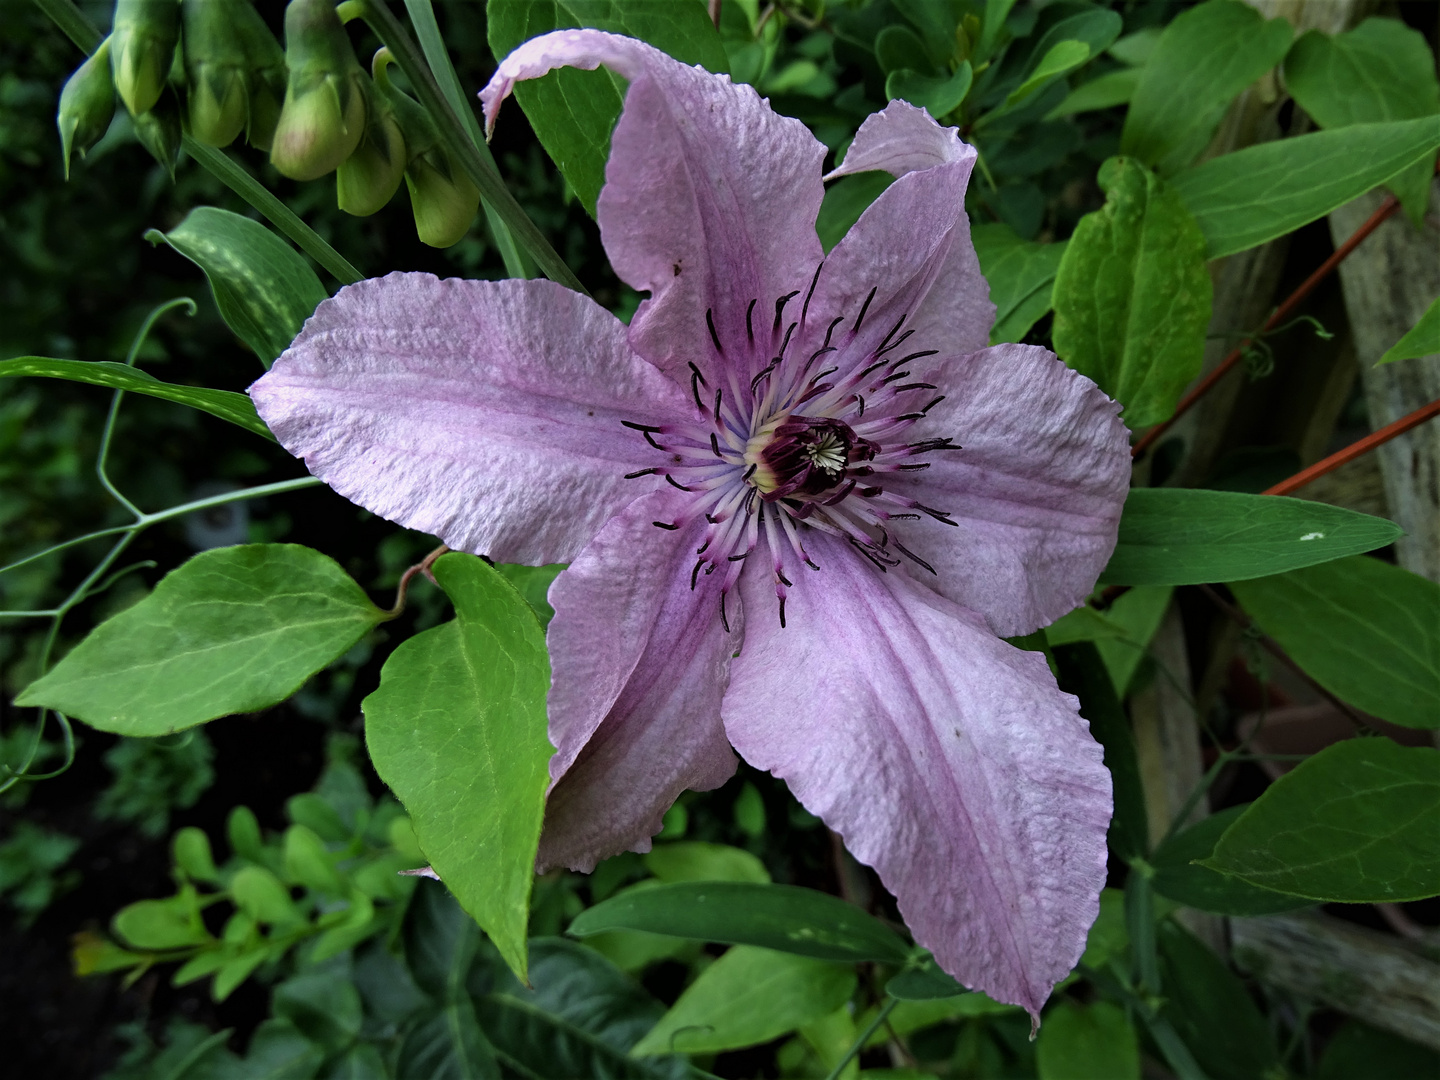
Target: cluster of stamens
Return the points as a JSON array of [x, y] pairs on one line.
[[805, 442]]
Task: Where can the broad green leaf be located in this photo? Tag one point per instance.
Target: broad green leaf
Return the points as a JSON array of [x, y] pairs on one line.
[[1179, 876], [278, 1051], [172, 923], [1021, 275], [581, 1018], [923, 981], [1423, 339], [1081, 673], [940, 95], [325, 1007], [1354, 824], [783, 917], [572, 111], [845, 200], [1204, 57], [695, 860], [899, 48], [1132, 294], [1137, 614], [1261, 192], [533, 583], [1359, 1050], [448, 1044], [1108, 935], [1060, 59], [361, 1062], [1105, 92], [190, 848], [263, 896], [1212, 1011], [457, 729], [1189, 536], [749, 996], [1087, 1042], [1094, 28], [1135, 50], [226, 404], [1367, 631], [1381, 70], [233, 630], [264, 289], [830, 1038]]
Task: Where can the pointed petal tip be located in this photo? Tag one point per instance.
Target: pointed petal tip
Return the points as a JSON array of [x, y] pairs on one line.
[[899, 139]]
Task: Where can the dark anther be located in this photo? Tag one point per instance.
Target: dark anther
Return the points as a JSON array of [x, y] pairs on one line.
[[648, 431], [869, 553], [663, 525], [817, 354], [676, 483], [894, 345], [914, 466], [749, 327], [910, 416], [701, 549], [782, 611], [905, 517], [723, 621], [926, 445], [710, 322], [786, 343], [749, 472], [780, 577], [893, 331], [932, 404], [695, 574], [871, 492], [863, 308], [755, 382], [902, 374], [868, 370], [712, 521], [805, 309], [811, 563], [913, 557], [841, 495], [642, 472], [696, 381], [715, 445], [718, 393], [916, 386], [917, 355], [861, 400], [780, 309], [831, 329], [738, 558], [938, 515]]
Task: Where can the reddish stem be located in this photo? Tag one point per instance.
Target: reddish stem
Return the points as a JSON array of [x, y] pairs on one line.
[[422, 567], [1282, 313], [1355, 449]]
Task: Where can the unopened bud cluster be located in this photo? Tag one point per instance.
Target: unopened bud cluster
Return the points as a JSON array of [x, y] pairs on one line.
[[310, 105]]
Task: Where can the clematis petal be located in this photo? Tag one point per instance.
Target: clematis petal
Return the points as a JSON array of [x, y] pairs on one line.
[[912, 244], [1036, 490], [710, 196], [640, 663], [486, 413], [945, 758]]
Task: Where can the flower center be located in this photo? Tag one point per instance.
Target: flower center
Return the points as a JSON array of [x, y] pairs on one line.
[[793, 433]]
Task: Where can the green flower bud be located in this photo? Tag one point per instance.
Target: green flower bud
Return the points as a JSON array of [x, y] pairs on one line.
[[442, 198], [87, 105], [158, 130], [368, 178], [142, 50], [267, 92], [323, 117], [215, 68]]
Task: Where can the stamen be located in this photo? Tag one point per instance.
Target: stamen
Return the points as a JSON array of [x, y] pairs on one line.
[[718, 394], [750, 329], [805, 309], [782, 612], [642, 472], [893, 331], [710, 322], [913, 557], [723, 620], [780, 309], [831, 329], [663, 525], [894, 344], [696, 381], [695, 574], [676, 483], [715, 445], [863, 308], [786, 343], [916, 386], [917, 355]]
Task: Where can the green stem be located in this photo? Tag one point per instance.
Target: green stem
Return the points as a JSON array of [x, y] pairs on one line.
[[422, 17], [859, 1043], [83, 33], [492, 189]]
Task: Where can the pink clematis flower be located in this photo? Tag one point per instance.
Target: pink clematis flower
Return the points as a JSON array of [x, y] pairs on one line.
[[799, 496]]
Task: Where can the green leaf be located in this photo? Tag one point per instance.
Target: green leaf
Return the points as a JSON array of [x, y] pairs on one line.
[[264, 289], [264, 897], [1256, 194], [1121, 633], [325, 1007], [1087, 1042], [923, 982], [278, 1051], [533, 583], [1132, 294], [1179, 877], [226, 404], [1359, 1050], [1381, 70], [1354, 824], [1108, 935], [1060, 59], [1365, 630], [172, 923], [457, 729], [1212, 1011], [572, 111], [1189, 536], [581, 1019], [1204, 57], [361, 1062], [940, 95], [1105, 92], [695, 860], [1021, 276], [233, 630], [749, 996], [448, 1045], [192, 854], [784, 917], [1423, 339], [845, 200]]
